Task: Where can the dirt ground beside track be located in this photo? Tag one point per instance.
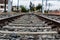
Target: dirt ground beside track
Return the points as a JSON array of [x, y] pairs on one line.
[[55, 13]]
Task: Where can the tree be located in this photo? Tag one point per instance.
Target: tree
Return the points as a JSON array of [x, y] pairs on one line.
[[23, 9], [39, 7], [31, 6]]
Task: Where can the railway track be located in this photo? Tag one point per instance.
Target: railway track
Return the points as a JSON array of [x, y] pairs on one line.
[[29, 27]]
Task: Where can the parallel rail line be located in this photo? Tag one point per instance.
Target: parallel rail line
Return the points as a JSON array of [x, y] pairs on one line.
[[51, 20]]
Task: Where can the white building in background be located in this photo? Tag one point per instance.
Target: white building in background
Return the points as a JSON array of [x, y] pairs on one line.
[[2, 5]]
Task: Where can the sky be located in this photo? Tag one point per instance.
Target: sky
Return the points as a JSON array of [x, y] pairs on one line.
[[54, 4]]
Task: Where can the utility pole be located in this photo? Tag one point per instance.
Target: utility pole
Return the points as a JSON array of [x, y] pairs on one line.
[[9, 5], [49, 7], [46, 5], [5, 6], [17, 5], [42, 6], [12, 5]]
